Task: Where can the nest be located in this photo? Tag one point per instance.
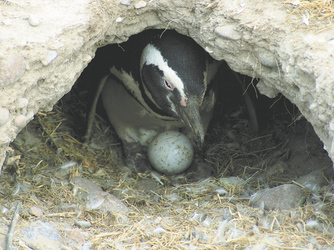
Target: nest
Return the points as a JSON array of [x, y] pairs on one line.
[[181, 213]]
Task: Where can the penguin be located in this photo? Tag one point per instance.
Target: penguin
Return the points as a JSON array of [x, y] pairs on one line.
[[159, 80]]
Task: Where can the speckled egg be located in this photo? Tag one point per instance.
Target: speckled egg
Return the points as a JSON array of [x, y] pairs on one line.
[[171, 152]]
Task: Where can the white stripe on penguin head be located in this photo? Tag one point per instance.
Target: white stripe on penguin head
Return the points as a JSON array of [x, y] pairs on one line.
[[151, 55]]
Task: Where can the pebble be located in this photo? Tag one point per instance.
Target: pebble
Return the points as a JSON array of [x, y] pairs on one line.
[[43, 234], [36, 211], [227, 215], [83, 187], [174, 197], [126, 2], [83, 223], [34, 21], [50, 57], [313, 181], [198, 217], [119, 20], [233, 180], [4, 116], [88, 58], [76, 236], [22, 103], [207, 222], [228, 31], [221, 191], [106, 202], [159, 230], [7, 22], [267, 58], [265, 89], [20, 121], [3, 210], [12, 67], [283, 197], [140, 5]]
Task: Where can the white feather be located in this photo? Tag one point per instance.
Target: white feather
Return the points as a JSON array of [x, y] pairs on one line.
[[152, 56]]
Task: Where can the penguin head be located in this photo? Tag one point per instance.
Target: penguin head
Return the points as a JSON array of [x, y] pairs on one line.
[[173, 72]]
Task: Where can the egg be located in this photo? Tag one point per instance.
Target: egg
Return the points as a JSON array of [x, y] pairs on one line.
[[170, 152]]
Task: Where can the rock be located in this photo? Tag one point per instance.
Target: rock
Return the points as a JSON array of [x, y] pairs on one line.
[[36, 211], [313, 181], [282, 197], [7, 22], [12, 67], [20, 121], [106, 202], [159, 231], [4, 116], [41, 235], [50, 57], [140, 5], [264, 89], [233, 181], [267, 58], [22, 103], [76, 236], [34, 21], [83, 223], [119, 20], [83, 187], [228, 31], [126, 2]]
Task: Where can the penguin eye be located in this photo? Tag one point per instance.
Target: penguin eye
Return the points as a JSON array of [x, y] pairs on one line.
[[168, 85]]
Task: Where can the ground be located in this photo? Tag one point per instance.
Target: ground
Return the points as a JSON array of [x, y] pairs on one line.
[[64, 185]]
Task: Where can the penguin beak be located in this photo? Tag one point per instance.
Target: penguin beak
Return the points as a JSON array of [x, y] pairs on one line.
[[191, 117]]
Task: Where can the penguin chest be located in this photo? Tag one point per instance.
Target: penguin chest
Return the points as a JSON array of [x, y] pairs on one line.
[[132, 122]]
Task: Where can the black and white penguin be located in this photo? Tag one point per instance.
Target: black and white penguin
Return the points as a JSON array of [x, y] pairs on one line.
[[159, 80]]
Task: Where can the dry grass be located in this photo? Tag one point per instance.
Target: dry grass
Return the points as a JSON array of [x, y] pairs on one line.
[[312, 12], [199, 218]]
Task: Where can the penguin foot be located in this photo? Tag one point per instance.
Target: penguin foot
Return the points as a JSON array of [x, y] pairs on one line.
[[136, 157], [200, 169]]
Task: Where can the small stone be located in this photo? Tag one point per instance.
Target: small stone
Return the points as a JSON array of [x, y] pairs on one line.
[[50, 57], [313, 181], [48, 237], [88, 58], [283, 197], [7, 22], [76, 236], [83, 223], [221, 191], [34, 21], [30, 115], [159, 230], [22, 103], [140, 5], [233, 181], [3, 210], [4, 116], [228, 31], [36, 211], [126, 2], [12, 67], [20, 121], [267, 58], [82, 187], [265, 89], [106, 202], [119, 20]]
